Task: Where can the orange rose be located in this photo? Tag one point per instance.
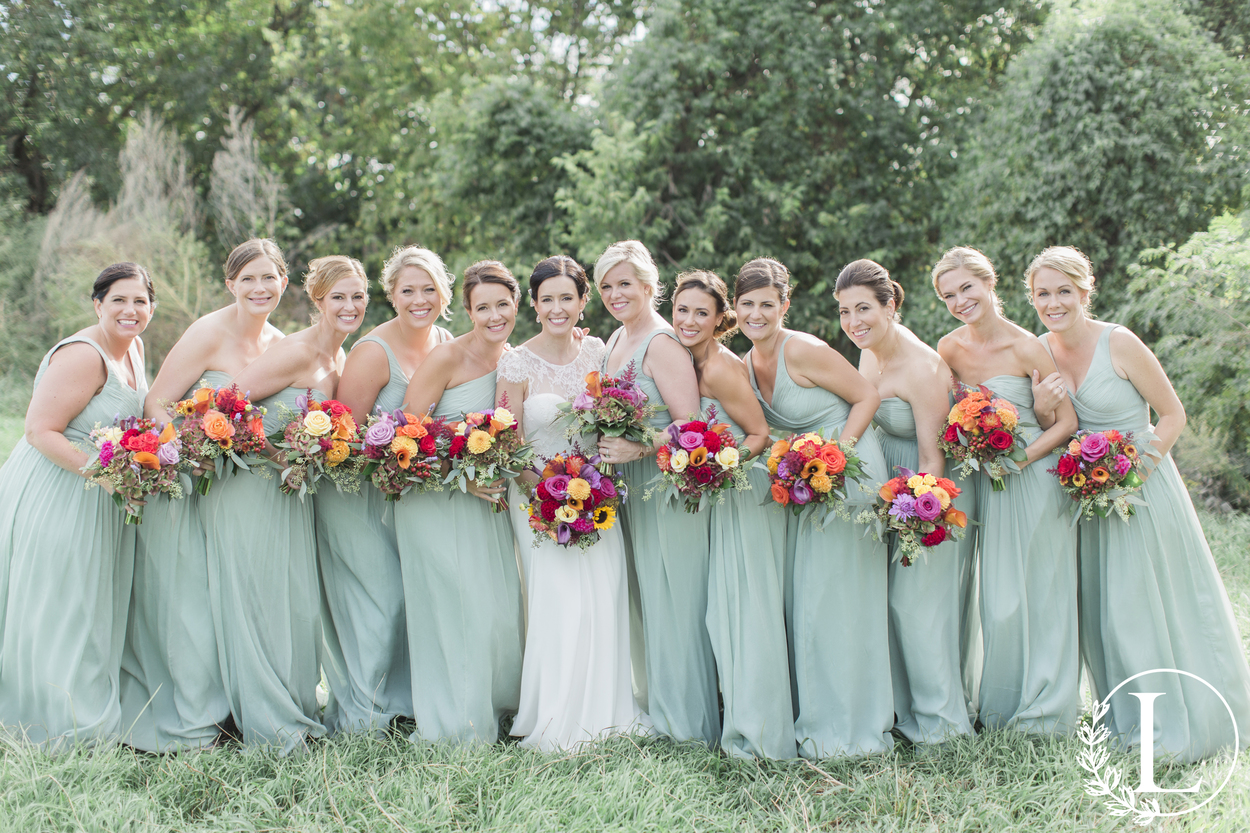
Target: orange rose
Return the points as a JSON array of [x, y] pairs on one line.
[[412, 429], [948, 486], [257, 426], [781, 494], [833, 458], [955, 518], [217, 427], [593, 386], [147, 460]]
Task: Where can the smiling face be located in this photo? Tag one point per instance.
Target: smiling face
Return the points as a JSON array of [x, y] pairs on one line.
[[863, 318], [492, 309], [1059, 302], [695, 317], [258, 287], [625, 296], [760, 312], [343, 307], [126, 308], [966, 296], [415, 297], [558, 306]]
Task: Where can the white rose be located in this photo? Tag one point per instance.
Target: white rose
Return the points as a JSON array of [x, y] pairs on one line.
[[679, 460], [318, 423], [727, 457]]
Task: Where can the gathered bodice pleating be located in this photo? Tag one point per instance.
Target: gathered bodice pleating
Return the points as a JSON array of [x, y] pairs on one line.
[[661, 419], [213, 379], [1104, 400], [115, 399], [474, 395], [895, 418], [796, 408], [392, 395]]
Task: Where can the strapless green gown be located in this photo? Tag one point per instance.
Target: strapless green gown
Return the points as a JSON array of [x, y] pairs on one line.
[[1151, 597], [265, 596], [1031, 675], [366, 633], [65, 572], [172, 694], [668, 550], [837, 616], [746, 616], [925, 603], [462, 590]]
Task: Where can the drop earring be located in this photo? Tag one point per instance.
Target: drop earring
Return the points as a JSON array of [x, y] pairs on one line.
[[582, 317]]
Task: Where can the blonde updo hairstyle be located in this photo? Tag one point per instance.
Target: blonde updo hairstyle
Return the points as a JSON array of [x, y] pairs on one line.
[[873, 277], [250, 250], [637, 256], [1071, 263], [488, 271], [432, 264], [325, 272], [975, 261], [710, 283], [762, 273]]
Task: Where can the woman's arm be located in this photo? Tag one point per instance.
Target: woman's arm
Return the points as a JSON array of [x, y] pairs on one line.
[[825, 367], [365, 373], [668, 363], [426, 386], [75, 374], [183, 367], [732, 388], [928, 389], [1142, 368]]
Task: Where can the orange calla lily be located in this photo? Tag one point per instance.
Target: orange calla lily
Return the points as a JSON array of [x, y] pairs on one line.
[[698, 457], [168, 433], [718, 428], [574, 503], [202, 400], [886, 493], [956, 518], [593, 386], [147, 460]]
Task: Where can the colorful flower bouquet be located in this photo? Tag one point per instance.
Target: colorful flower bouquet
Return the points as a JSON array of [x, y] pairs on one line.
[[918, 508], [400, 452], [137, 458], [611, 407], [487, 446], [981, 435], [808, 472], [219, 427], [574, 501], [318, 441], [1101, 472], [699, 461]]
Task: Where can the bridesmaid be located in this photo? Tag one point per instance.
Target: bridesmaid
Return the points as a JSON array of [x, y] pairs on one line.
[[925, 598], [264, 590], [172, 694], [837, 615], [1151, 595], [746, 614], [366, 637], [669, 548], [1028, 588], [65, 567], [462, 588]]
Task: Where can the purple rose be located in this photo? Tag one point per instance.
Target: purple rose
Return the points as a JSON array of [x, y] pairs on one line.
[[928, 507], [563, 533], [583, 402], [607, 487], [106, 453], [903, 507], [800, 494], [558, 486], [168, 453], [690, 440], [380, 433], [1094, 446], [1122, 465]]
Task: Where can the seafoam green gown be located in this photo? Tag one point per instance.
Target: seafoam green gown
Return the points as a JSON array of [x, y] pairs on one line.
[[746, 615], [1151, 597], [1031, 675], [172, 693], [669, 548], [925, 604], [838, 618], [366, 634], [462, 591], [265, 597], [65, 571]]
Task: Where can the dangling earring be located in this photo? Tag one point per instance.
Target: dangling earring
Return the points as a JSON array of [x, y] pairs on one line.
[[538, 318], [582, 317]]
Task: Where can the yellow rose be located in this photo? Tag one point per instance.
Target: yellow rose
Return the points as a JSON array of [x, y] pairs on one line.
[[943, 496], [915, 482], [813, 437], [479, 441], [679, 460], [566, 514], [821, 483], [930, 480], [922, 489], [504, 417], [113, 435], [318, 423], [337, 453], [727, 457], [579, 489]]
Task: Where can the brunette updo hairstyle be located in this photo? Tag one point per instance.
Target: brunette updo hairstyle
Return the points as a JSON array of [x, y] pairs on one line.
[[425, 260], [873, 277], [712, 284], [246, 252], [1071, 263], [488, 271], [325, 272], [120, 272], [762, 273], [559, 266], [637, 256]]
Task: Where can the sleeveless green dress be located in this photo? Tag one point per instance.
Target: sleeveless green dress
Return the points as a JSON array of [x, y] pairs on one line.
[[65, 572], [746, 615], [265, 597], [925, 603], [1151, 597], [837, 615], [462, 590], [172, 694], [1031, 675], [668, 551], [366, 634]]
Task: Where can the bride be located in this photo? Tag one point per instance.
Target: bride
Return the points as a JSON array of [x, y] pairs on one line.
[[575, 677]]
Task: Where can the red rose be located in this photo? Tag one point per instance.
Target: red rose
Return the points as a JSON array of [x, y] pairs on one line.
[[696, 427], [1068, 466], [1001, 440], [144, 442], [335, 408], [428, 445], [703, 474], [457, 446], [540, 492], [548, 509], [937, 536], [711, 441], [130, 434], [952, 434]]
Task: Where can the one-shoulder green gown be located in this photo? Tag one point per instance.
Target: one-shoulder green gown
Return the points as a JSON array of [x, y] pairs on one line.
[[172, 694], [1151, 597], [265, 597], [65, 572], [462, 590], [837, 617]]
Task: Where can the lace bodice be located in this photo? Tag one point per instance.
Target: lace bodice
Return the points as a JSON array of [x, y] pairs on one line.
[[548, 385]]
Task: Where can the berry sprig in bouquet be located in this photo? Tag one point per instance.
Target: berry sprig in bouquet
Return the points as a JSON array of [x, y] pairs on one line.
[[487, 446], [982, 434], [137, 458], [918, 508], [698, 463], [400, 452], [317, 441], [574, 501], [1101, 472], [808, 472], [219, 428], [611, 406]]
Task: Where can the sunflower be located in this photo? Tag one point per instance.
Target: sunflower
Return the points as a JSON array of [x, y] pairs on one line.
[[604, 517]]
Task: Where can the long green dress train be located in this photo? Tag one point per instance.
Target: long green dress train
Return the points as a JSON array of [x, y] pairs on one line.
[[462, 590], [668, 549], [172, 694], [837, 617], [366, 633], [65, 571], [746, 615], [1031, 675], [266, 599], [925, 603], [1151, 597]]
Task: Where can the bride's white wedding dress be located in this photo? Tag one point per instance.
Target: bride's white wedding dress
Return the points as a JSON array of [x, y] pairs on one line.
[[575, 677]]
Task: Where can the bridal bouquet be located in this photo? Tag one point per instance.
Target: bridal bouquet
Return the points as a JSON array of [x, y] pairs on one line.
[[611, 406], [808, 472], [487, 446], [400, 452], [219, 427], [981, 434], [137, 458], [574, 501], [317, 441], [699, 461], [918, 508], [1101, 472]]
